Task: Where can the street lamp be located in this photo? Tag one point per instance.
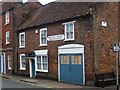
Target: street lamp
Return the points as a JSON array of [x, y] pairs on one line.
[[116, 49]]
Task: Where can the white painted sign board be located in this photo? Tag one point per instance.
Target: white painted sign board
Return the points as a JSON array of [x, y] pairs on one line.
[[56, 37]]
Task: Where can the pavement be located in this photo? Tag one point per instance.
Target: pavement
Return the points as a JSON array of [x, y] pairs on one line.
[[53, 84]]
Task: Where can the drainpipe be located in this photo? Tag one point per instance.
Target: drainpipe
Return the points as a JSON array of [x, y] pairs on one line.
[[13, 42], [95, 37]]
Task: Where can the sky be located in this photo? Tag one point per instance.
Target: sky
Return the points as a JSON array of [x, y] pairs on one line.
[[42, 1]]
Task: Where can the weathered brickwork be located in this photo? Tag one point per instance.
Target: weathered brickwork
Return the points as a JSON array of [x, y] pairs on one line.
[[106, 36], [8, 48], [83, 35], [97, 39]]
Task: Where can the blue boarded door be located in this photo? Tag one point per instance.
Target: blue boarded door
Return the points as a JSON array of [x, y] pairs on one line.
[[71, 68]]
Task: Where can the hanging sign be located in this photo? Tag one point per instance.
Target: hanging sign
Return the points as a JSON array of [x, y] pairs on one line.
[[55, 37]]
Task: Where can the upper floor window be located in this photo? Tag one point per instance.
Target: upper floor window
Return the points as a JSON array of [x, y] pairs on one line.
[[7, 37], [7, 17], [69, 30], [43, 37], [22, 62], [9, 62], [22, 40]]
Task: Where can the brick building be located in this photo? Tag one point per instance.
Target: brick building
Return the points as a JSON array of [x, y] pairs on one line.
[[12, 14], [71, 44], [68, 42]]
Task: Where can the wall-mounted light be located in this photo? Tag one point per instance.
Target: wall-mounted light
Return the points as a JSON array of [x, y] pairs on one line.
[[36, 31]]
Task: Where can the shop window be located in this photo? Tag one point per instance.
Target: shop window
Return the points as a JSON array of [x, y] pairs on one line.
[[42, 63]]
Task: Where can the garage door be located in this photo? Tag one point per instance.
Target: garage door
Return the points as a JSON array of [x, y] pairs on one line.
[[71, 68]]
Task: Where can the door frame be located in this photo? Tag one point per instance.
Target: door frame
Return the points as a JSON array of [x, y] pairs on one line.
[[30, 67], [71, 49]]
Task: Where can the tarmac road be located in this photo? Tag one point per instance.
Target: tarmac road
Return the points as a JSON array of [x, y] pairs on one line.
[[10, 84]]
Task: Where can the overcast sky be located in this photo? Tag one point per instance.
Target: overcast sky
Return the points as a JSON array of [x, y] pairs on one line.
[[42, 1]]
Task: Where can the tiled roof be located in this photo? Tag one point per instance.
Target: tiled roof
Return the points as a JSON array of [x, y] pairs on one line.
[[56, 11], [26, 13], [6, 6]]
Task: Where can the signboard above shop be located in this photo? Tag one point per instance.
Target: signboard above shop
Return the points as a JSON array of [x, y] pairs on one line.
[[56, 37]]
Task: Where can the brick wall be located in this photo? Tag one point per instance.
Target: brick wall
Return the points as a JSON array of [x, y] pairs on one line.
[[98, 41], [7, 48], [83, 35], [106, 36]]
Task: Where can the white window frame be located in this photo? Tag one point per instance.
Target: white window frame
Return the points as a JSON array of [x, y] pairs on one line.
[[6, 17], [21, 68], [65, 30], [43, 29], [20, 44], [7, 37], [9, 62], [41, 70]]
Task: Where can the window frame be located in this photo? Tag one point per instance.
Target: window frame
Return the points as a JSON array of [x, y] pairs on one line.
[[20, 44], [7, 15], [65, 30], [9, 62], [7, 37], [41, 70], [43, 29], [21, 68]]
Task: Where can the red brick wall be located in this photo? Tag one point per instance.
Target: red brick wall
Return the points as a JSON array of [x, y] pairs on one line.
[[8, 47], [8, 27], [83, 35], [106, 36]]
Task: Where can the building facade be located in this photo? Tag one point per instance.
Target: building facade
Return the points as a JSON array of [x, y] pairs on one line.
[[68, 44], [10, 19]]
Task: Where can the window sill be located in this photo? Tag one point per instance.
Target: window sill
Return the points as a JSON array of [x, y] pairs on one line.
[[6, 24], [22, 47], [9, 68], [43, 45], [69, 40], [22, 69], [7, 43], [42, 71]]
